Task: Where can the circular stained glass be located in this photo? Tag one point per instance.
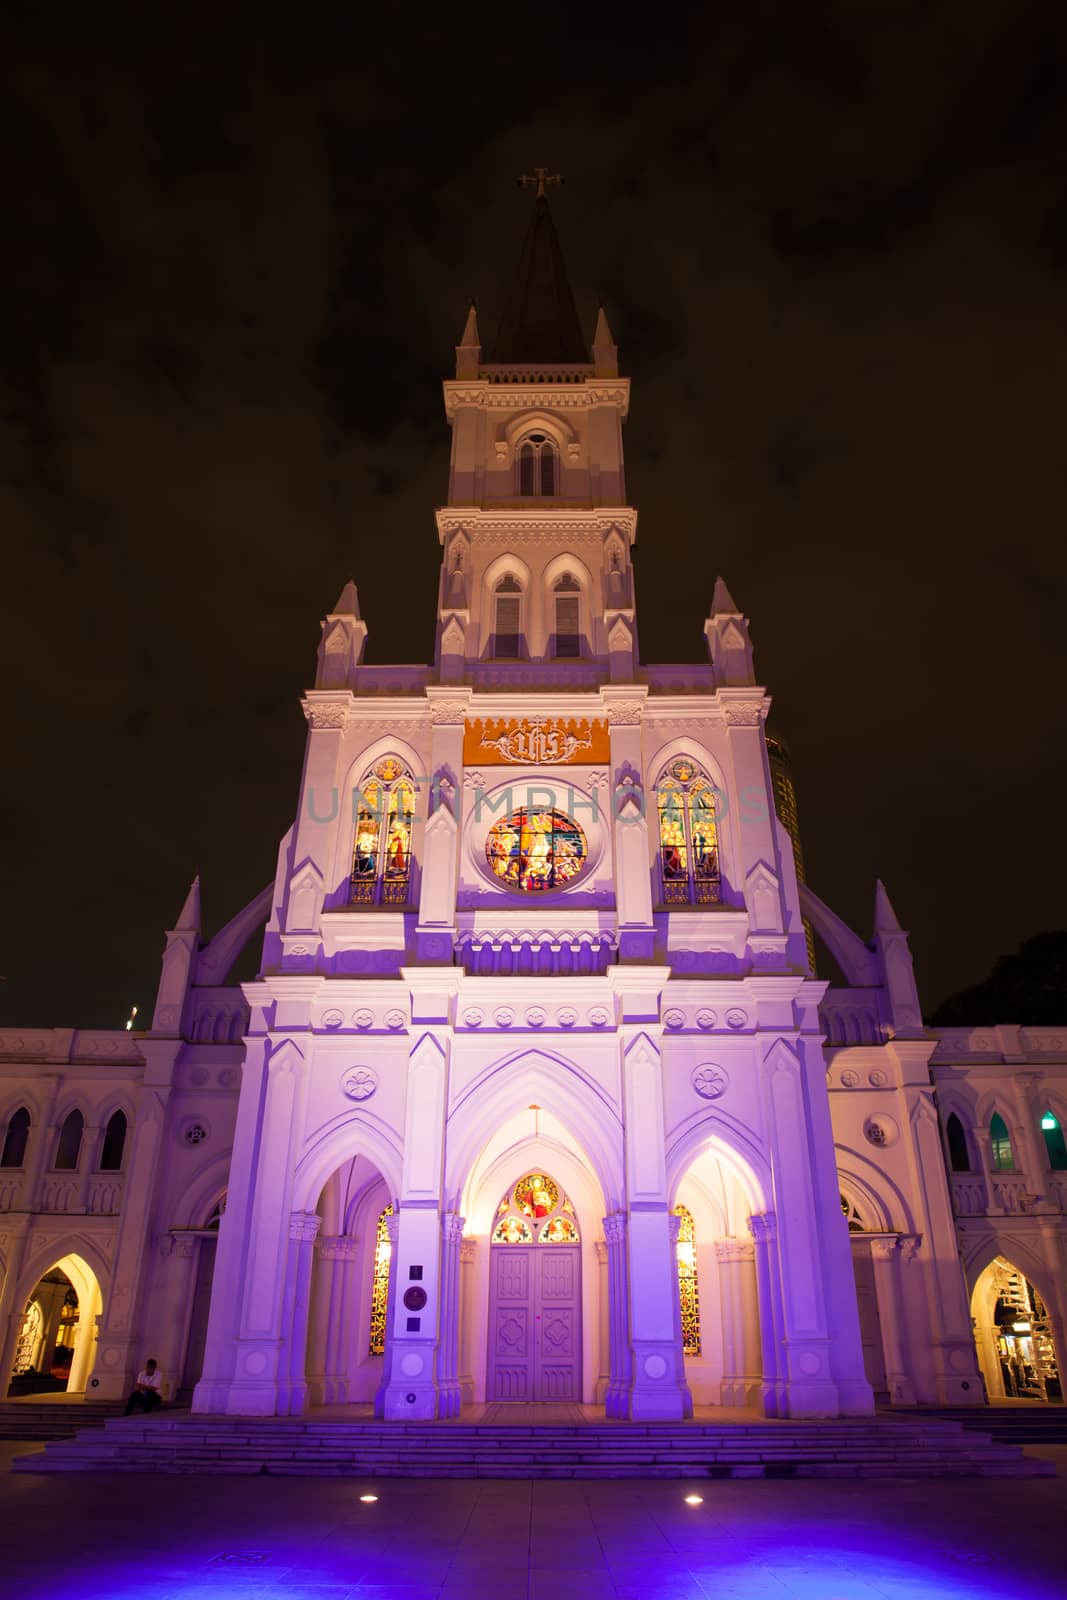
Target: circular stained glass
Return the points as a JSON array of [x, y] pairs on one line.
[[532, 851]]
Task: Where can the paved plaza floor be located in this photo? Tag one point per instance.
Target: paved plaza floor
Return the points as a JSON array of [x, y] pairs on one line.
[[131, 1538]]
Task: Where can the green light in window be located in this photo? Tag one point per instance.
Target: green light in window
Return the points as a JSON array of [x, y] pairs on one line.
[[1048, 1121]]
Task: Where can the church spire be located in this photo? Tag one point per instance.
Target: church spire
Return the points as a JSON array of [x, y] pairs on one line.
[[540, 321]]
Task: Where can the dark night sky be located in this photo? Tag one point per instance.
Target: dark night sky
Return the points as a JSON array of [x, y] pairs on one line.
[[832, 240]]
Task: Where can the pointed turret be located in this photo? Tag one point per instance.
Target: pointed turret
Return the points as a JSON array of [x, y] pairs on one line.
[[605, 350], [729, 645], [540, 322], [189, 916], [179, 965], [469, 348], [895, 967], [885, 918], [344, 637]]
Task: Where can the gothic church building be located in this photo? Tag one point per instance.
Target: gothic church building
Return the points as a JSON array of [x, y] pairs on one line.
[[537, 1096]]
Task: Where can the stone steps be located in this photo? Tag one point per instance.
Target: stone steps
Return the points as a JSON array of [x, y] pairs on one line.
[[54, 1419], [299, 1448], [1028, 1424]]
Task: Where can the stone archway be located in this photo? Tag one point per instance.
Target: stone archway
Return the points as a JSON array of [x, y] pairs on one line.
[[55, 1344], [1014, 1336]]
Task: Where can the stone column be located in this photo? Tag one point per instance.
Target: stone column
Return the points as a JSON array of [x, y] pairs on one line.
[[328, 1343], [450, 1399], [741, 1367], [412, 1392], [886, 1253], [658, 1390], [764, 1231], [630, 823], [468, 1254], [436, 929], [603, 1323], [296, 1298], [181, 1252], [616, 1395]]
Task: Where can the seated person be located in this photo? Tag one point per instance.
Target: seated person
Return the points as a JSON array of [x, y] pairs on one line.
[[147, 1394]]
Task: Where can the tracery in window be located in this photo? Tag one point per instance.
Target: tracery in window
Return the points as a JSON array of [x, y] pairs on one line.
[[507, 618], [688, 1286], [538, 466], [16, 1139], [536, 1211], [1000, 1144], [379, 1293], [385, 819], [568, 633], [688, 840], [856, 1223], [533, 851]]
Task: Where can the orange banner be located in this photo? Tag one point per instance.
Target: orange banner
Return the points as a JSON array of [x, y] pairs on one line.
[[535, 742]]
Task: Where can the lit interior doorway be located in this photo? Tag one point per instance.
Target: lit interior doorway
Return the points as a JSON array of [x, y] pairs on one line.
[[56, 1345], [1016, 1350]]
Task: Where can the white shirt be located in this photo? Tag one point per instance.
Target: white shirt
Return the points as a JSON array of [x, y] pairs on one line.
[[149, 1380]]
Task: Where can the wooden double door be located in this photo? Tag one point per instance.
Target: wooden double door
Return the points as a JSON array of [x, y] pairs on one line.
[[535, 1344]]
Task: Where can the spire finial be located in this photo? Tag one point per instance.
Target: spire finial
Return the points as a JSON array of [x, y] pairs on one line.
[[541, 178]]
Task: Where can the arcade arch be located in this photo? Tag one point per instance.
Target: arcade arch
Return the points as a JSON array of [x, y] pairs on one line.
[[56, 1340], [1014, 1336]]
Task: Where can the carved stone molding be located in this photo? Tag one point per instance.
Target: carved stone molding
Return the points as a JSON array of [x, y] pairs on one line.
[[325, 716], [747, 714], [764, 1228], [304, 1225], [450, 713], [734, 1250], [625, 713], [337, 1247]]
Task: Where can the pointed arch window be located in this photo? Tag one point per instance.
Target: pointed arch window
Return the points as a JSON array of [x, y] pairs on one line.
[[958, 1154], [1055, 1146], [538, 466], [567, 597], [384, 806], [68, 1150], [688, 1285], [379, 1289], [16, 1139], [507, 618], [114, 1143], [688, 837], [1000, 1144]]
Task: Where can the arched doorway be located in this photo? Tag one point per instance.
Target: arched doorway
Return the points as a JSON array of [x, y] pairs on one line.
[[535, 1295], [56, 1343], [1013, 1334], [719, 1298], [350, 1286]]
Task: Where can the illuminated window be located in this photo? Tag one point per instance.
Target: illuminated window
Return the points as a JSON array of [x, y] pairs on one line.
[[507, 619], [379, 1294], [70, 1143], [384, 805], [688, 1287], [114, 1143], [1055, 1147], [1000, 1144], [958, 1154], [538, 466], [536, 1211], [16, 1139], [536, 850], [688, 841], [568, 634]]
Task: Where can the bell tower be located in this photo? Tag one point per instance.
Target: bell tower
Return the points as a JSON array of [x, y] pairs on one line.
[[536, 585]]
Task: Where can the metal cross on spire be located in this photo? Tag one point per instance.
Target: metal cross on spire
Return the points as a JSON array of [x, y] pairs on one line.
[[541, 178]]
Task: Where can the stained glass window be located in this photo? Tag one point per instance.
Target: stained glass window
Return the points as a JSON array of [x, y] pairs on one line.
[[536, 1210], [688, 1287], [688, 841], [379, 1294], [1055, 1146], [536, 850], [1000, 1144], [384, 823]]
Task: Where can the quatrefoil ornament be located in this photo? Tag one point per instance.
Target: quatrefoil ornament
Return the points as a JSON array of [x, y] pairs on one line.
[[710, 1082]]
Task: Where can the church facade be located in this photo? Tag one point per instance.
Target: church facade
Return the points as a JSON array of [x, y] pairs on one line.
[[537, 1095]]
